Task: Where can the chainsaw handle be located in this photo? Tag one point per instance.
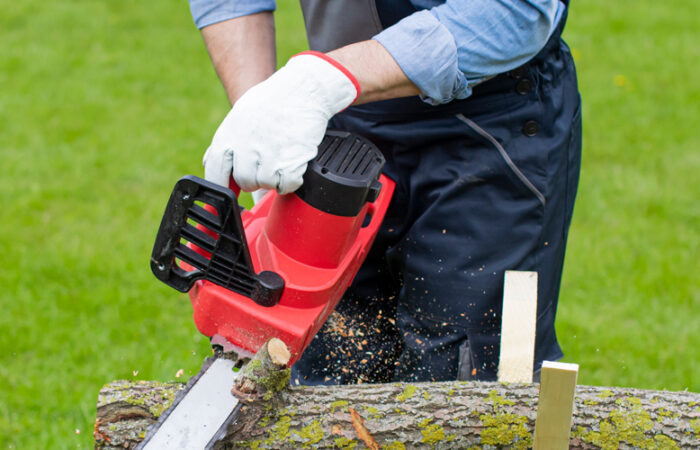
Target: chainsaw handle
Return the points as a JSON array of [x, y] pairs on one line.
[[202, 228]]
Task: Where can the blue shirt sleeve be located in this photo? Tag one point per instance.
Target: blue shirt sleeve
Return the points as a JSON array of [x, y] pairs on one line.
[[208, 12], [447, 50]]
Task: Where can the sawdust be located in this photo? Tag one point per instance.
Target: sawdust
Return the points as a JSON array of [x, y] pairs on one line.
[[362, 348]]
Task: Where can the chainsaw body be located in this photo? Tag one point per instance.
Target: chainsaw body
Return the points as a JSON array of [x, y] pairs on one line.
[[279, 269]]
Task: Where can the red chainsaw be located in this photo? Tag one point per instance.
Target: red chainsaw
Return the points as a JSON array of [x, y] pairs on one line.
[[276, 270]]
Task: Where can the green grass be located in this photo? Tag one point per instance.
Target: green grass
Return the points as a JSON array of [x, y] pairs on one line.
[[103, 105], [630, 303]]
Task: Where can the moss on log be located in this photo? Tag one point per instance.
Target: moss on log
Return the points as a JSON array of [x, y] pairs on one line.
[[266, 374]]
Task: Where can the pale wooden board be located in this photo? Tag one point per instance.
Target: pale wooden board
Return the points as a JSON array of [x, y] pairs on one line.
[[518, 327], [555, 406]]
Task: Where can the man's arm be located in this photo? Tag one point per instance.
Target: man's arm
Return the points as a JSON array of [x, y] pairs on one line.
[[444, 52], [242, 50], [378, 74], [273, 130], [452, 47]]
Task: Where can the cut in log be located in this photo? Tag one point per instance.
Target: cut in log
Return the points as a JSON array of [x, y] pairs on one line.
[[422, 415]]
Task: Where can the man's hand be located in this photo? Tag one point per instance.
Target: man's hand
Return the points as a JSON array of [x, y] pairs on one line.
[[274, 129]]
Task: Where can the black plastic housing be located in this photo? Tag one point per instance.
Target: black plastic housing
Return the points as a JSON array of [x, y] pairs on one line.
[[229, 263], [344, 175]]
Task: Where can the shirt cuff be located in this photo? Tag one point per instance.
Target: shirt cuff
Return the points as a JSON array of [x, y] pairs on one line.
[[427, 53], [208, 12]]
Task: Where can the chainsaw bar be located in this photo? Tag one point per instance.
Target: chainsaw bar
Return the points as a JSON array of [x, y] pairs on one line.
[[201, 412]]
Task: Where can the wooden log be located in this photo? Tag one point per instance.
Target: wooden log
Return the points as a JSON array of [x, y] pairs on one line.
[[421, 415], [125, 409]]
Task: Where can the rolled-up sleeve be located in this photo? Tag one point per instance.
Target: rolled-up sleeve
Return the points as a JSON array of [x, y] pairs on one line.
[[208, 12], [447, 50]]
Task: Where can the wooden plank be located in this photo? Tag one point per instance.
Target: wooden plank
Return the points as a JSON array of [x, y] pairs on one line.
[[555, 406], [518, 327]]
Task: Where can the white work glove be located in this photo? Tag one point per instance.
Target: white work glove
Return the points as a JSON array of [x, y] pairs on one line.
[[274, 129]]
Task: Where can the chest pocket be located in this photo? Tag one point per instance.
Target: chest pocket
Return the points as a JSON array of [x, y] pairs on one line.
[[332, 24]]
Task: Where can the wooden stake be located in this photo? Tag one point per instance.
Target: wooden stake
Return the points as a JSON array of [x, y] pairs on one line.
[[518, 327], [556, 405]]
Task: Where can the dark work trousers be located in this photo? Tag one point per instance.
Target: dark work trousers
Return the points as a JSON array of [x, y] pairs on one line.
[[484, 185]]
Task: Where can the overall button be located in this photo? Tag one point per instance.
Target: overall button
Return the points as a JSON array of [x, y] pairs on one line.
[[530, 128], [524, 86]]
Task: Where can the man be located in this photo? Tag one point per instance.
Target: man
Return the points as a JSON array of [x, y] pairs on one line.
[[475, 106]]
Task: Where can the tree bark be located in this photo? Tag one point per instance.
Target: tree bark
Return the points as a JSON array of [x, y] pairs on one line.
[[422, 415]]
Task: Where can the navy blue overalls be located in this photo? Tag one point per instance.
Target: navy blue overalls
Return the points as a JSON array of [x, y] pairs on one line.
[[484, 185]]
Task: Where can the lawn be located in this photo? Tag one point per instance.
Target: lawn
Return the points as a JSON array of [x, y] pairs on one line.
[[103, 105]]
